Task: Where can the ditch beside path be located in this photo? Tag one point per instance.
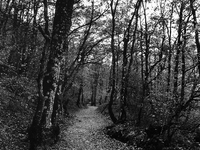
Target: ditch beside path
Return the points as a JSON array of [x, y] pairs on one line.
[[86, 133]]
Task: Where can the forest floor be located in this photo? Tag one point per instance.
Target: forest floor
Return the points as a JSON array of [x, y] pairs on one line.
[[87, 133]]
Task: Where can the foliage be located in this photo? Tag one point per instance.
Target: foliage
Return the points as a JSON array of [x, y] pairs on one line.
[[17, 108], [140, 138], [20, 86]]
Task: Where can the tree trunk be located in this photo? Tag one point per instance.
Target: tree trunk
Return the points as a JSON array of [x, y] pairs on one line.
[[91, 99], [196, 32], [170, 53], [82, 98], [145, 69], [113, 67], [44, 129], [175, 112], [80, 93], [127, 63], [178, 48]]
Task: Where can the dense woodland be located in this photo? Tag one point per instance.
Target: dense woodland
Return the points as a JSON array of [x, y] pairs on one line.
[[138, 60]]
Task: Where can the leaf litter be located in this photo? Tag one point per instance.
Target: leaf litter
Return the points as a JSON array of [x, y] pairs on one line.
[[87, 133]]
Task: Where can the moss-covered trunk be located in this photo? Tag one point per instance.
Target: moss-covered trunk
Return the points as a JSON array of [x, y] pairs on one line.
[[44, 129]]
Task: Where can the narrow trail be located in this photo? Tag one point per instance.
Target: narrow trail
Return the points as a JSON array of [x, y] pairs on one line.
[[87, 133]]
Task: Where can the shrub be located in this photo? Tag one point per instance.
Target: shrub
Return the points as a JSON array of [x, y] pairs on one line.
[[19, 86], [21, 92]]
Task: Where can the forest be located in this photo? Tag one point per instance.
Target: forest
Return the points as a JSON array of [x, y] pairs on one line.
[[118, 71]]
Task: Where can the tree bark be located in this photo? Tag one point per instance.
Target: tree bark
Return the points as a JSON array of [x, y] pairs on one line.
[[113, 78], [196, 32], [170, 52], [44, 129], [127, 63], [145, 68], [178, 50], [80, 93]]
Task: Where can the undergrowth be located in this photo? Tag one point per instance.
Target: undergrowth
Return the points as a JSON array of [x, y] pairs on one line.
[[17, 103], [18, 100], [148, 137]]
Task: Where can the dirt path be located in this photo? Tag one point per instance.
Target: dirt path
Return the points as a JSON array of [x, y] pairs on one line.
[[86, 133]]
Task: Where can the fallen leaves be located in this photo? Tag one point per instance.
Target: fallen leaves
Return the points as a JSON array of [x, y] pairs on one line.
[[87, 133]]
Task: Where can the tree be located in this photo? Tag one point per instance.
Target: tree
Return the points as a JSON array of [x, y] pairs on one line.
[[196, 31], [113, 7], [127, 62], [44, 127]]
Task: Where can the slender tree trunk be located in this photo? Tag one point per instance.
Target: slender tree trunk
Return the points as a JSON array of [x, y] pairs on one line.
[[183, 65], [80, 93], [113, 78], [176, 73], [82, 98], [96, 81], [145, 86], [178, 50], [196, 32], [123, 80], [32, 53], [14, 56], [183, 72], [91, 99], [123, 92], [127, 63], [170, 53]]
